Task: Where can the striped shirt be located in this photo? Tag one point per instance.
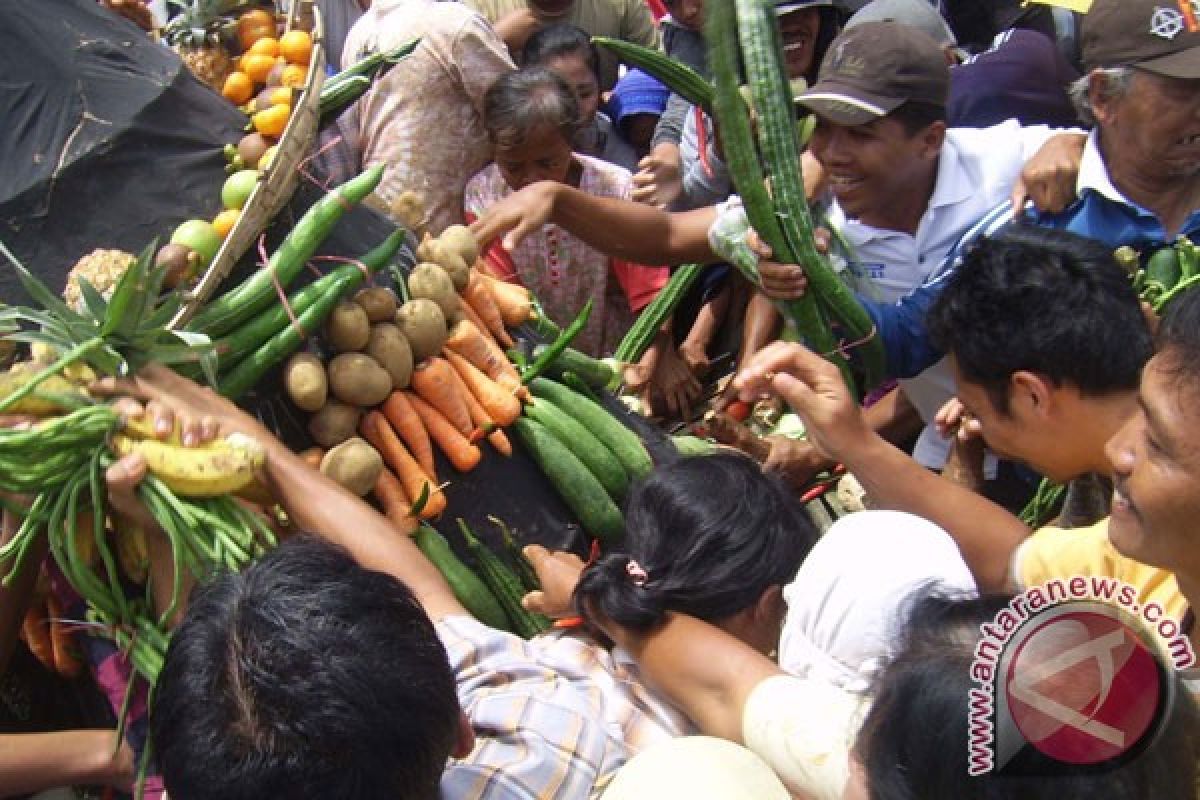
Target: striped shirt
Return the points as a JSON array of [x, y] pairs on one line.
[[554, 717]]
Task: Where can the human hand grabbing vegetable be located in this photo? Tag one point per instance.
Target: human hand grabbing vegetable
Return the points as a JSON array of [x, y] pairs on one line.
[[813, 387], [516, 216], [659, 179], [783, 281], [662, 372], [795, 460], [558, 572]]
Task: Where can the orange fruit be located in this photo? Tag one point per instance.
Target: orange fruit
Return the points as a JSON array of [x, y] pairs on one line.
[[280, 97], [296, 47], [294, 76], [272, 121], [223, 223], [257, 66], [256, 18], [238, 88], [267, 46], [248, 36]]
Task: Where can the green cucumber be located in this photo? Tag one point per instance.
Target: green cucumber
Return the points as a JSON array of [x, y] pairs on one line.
[[466, 585], [597, 373], [688, 445], [578, 488], [599, 460], [243, 302], [651, 319], [504, 585], [675, 75], [623, 442]]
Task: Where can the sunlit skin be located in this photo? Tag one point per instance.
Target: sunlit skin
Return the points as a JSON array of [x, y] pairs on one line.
[[542, 155], [1150, 138], [880, 174], [800, 29], [1155, 461], [573, 68]]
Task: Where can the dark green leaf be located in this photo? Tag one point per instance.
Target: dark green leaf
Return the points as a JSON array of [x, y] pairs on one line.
[[126, 302], [92, 299], [38, 291]]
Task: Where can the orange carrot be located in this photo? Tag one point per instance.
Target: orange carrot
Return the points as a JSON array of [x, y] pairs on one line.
[[433, 381], [66, 654], [484, 424], [468, 341], [378, 431], [500, 403], [404, 420], [469, 313], [480, 298], [395, 501], [513, 300], [462, 454], [35, 630]]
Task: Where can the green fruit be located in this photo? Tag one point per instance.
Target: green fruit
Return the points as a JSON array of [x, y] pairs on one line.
[[200, 236], [238, 188]]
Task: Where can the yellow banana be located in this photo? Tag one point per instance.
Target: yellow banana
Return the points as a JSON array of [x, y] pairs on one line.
[[219, 468], [42, 401], [132, 554]]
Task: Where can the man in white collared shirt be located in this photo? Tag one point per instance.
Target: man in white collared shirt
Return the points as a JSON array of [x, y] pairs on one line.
[[905, 188]]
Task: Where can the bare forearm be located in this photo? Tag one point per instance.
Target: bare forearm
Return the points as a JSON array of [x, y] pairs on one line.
[[32, 762], [703, 670], [760, 328], [317, 504], [15, 597], [635, 232], [986, 534]]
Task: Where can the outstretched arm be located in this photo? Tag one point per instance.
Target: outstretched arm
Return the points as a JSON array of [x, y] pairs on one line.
[[620, 228], [314, 502], [986, 534], [703, 670]]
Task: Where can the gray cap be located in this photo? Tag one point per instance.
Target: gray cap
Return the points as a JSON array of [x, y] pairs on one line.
[[917, 13]]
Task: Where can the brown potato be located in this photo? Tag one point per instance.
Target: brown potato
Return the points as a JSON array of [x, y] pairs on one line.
[[460, 240], [304, 379], [358, 379], [388, 346], [348, 327], [434, 283], [379, 303], [353, 464], [334, 424], [424, 325]]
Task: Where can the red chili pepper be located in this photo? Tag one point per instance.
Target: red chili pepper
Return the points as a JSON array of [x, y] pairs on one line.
[[739, 410]]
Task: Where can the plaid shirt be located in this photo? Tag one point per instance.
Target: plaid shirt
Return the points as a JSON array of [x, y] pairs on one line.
[[554, 717]]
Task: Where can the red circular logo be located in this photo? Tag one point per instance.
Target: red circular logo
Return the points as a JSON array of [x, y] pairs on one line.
[[1083, 688]]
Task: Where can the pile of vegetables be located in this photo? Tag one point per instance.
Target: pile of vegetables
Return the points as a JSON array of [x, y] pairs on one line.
[[1162, 274]]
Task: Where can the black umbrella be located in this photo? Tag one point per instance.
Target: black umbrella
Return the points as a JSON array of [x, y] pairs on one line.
[[107, 140]]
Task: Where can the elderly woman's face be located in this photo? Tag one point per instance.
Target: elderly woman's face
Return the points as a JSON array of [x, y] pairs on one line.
[[1153, 128]]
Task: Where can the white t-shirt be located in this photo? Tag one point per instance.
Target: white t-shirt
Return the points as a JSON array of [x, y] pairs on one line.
[[976, 172], [805, 730]]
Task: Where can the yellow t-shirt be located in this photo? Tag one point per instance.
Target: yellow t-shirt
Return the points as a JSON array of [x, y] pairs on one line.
[[1057, 553]]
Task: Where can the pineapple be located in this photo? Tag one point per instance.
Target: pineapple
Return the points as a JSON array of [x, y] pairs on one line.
[[196, 35], [102, 269]]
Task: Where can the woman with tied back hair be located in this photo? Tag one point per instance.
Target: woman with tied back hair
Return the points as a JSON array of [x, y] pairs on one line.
[[913, 743], [531, 118], [711, 537]]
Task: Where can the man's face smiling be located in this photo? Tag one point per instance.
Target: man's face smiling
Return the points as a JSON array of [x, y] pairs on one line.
[[1156, 467]]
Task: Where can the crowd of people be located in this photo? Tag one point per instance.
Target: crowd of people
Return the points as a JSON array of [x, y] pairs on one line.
[[979, 163]]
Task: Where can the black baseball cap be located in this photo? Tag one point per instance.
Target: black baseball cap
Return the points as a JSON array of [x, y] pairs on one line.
[[872, 69], [1160, 36]]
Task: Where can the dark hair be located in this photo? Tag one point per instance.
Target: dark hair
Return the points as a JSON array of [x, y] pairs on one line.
[[915, 116], [1045, 301], [556, 41], [305, 676], [520, 101], [712, 533], [914, 741], [1179, 338]]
